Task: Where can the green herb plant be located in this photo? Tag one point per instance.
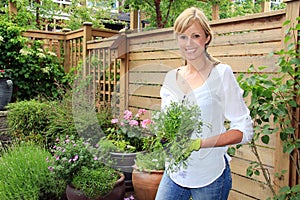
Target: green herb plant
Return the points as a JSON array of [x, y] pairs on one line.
[[95, 182], [24, 174], [172, 128], [77, 162]]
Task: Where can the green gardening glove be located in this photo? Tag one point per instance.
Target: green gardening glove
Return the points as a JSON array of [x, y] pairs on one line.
[[194, 145]]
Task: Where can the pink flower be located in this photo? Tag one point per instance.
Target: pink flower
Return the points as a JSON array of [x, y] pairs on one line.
[[95, 158], [47, 159], [57, 158], [67, 140], [75, 158], [122, 123], [142, 111], [114, 121], [133, 123], [145, 122], [127, 114], [50, 168]]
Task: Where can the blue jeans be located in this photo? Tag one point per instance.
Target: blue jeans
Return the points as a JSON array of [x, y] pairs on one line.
[[217, 190]]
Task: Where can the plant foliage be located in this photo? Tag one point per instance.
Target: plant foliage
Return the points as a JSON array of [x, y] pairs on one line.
[[24, 174], [274, 100]]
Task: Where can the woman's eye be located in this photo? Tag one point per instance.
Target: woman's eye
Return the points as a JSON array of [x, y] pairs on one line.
[[182, 37], [196, 36]]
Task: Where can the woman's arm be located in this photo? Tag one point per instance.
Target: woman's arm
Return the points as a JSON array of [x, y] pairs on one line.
[[227, 138]]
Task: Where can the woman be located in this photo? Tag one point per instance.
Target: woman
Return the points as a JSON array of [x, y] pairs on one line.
[[212, 85]]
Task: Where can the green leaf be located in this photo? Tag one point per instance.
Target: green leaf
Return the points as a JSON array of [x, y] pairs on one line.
[[296, 188], [265, 139]]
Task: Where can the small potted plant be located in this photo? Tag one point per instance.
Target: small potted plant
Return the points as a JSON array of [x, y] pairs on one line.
[[124, 139], [147, 173], [172, 128], [76, 161]]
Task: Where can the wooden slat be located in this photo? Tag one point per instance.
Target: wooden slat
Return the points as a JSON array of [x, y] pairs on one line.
[[259, 21], [144, 90], [154, 45], [151, 35], [103, 32], [155, 65], [248, 37], [146, 78], [234, 195], [242, 63], [142, 102], [250, 187], [155, 55], [245, 49], [267, 154], [43, 34], [239, 166]]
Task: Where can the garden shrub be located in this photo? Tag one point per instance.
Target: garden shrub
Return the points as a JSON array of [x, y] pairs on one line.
[[34, 70], [24, 174], [29, 120]]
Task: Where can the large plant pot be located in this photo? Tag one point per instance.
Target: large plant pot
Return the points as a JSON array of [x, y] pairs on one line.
[[6, 88], [145, 184], [117, 193], [124, 162]]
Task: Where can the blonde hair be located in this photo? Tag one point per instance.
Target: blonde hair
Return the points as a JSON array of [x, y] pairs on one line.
[[190, 16]]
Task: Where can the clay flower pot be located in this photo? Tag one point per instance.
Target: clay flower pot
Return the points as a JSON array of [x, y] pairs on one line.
[[117, 193], [145, 183]]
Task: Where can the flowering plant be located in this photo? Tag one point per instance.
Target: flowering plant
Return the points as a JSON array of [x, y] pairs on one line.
[[76, 162], [128, 134], [70, 155], [5, 73]]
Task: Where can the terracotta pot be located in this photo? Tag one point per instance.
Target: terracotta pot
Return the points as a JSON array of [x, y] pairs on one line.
[[145, 184], [117, 192]]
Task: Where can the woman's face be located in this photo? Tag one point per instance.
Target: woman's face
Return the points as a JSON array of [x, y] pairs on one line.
[[192, 42]]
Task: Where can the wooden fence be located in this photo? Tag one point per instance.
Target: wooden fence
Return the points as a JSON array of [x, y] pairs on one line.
[[69, 46], [127, 71]]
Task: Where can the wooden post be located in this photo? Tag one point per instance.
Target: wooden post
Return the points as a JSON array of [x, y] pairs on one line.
[[292, 12], [265, 6], [87, 36], [133, 19], [12, 9], [283, 160], [66, 51], [124, 79]]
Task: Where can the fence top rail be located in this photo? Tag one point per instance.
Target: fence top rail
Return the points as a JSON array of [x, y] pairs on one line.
[[248, 17], [44, 34], [213, 23], [105, 30]]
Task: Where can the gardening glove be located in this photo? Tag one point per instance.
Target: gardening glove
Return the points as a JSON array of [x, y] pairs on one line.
[[194, 145]]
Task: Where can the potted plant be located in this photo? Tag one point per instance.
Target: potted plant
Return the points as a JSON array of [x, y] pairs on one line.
[[147, 173], [77, 162], [172, 128], [124, 139], [6, 88]]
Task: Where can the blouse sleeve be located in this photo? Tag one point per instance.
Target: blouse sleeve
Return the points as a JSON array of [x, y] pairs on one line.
[[236, 110]]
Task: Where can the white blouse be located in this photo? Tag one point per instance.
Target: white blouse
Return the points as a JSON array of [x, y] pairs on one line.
[[220, 98]]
